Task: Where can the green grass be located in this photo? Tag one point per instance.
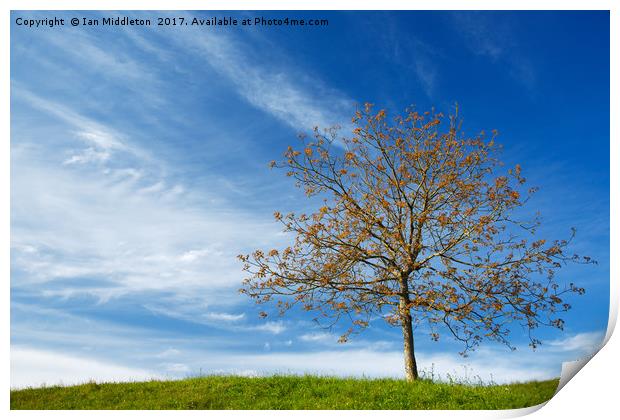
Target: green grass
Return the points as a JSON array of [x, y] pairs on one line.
[[283, 392]]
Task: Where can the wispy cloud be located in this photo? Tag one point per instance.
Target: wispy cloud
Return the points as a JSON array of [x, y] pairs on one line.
[[482, 33], [410, 55], [169, 353], [274, 327], [101, 140], [121, 220], [582, 343], [321, 337], [223, 316], [427, 74], [491, 35], [287, 93]]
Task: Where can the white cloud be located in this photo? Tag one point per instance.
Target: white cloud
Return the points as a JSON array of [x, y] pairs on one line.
[[426, 73], [286, 93], [490, 35], [497, 367], [84, 48], [196, 254], [321, 337], [88, 155], [481, 36], [110, 212], [86, 129], [32, 367], [168, 353], [176, 368], [583, 343], [107, 59], [153, 189], [101, 141], [223, 316], [120, 223], [488, 363], [100, 137], [274, 327]]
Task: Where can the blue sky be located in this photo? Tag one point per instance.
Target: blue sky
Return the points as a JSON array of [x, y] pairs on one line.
[[139, 170]]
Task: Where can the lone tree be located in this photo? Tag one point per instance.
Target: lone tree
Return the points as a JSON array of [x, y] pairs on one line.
[[417, 225]]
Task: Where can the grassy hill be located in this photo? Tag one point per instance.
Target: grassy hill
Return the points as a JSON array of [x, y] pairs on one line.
[[283, 392]]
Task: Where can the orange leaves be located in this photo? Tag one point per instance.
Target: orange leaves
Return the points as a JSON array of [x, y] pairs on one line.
[[287, 252], [258, 254], [555, 299], [344, 234]]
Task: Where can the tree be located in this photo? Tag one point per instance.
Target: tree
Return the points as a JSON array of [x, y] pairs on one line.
[[417, 225]]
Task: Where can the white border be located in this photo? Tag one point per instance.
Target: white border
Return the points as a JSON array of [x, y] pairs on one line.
[[592, 393]]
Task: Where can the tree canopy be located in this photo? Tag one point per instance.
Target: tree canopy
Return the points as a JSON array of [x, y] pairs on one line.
[[418, 224]]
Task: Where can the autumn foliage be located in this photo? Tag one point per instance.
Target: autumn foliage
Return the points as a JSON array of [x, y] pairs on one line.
[[418, 225]]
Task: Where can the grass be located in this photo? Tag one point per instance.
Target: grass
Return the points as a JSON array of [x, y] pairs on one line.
[[283, 392]]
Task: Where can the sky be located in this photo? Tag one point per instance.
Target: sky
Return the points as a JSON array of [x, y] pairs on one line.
[[139, 171]]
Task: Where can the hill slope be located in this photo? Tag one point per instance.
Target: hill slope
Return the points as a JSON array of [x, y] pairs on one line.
[[283, 392]]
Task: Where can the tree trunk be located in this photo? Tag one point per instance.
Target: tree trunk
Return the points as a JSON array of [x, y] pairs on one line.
[[411, 367]]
